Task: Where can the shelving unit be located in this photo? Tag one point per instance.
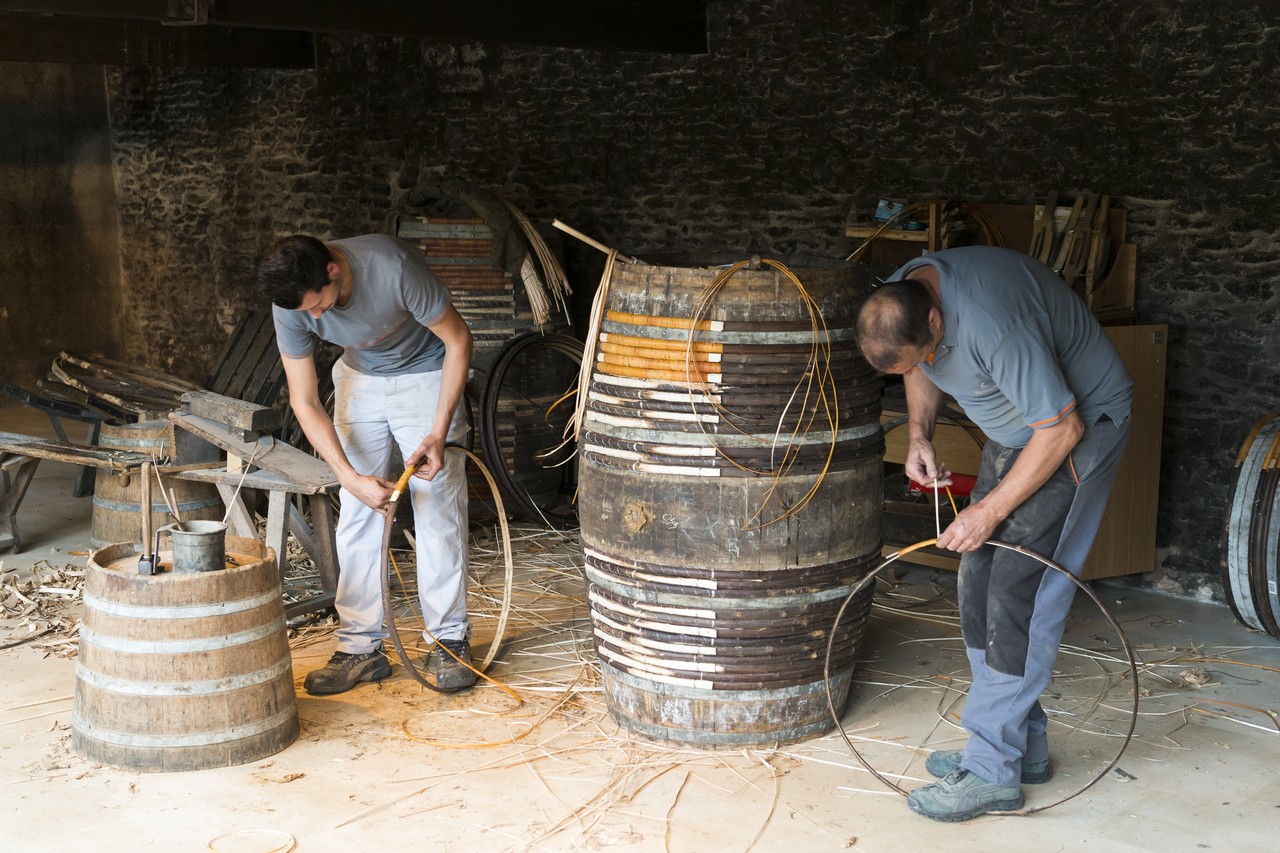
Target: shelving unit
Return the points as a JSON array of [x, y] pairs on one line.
[[1112, 299]]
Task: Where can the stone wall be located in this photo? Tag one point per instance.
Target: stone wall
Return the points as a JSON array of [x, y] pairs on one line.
[[803, 114]]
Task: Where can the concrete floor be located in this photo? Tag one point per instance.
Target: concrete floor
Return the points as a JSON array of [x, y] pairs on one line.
[[393, 766]]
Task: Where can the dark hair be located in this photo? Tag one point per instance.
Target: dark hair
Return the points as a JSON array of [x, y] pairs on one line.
[[894, 318], [293, 267]]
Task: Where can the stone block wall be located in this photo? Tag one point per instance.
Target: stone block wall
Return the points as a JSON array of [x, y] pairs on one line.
[[803, 114]]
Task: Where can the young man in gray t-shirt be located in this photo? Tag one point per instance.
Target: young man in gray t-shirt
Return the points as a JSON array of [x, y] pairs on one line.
[[406, 354]]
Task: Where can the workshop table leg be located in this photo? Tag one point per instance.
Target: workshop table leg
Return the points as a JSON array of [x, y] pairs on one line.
[[13, 488]]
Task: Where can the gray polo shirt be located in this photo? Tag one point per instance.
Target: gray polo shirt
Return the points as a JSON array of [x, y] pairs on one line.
[[383, 327], [1020, 349]]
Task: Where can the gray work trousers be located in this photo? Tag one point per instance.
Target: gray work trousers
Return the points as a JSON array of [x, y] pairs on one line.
[[370, 413], [1013, 609]]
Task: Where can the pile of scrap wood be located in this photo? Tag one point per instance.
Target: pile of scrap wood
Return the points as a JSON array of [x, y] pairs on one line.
[[43, 608], [114, 385]]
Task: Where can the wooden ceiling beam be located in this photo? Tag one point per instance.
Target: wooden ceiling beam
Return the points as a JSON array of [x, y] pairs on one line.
[[657, 26], [38, 38]]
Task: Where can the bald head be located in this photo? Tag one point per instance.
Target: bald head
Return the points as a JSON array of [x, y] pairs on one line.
[[894, 321]]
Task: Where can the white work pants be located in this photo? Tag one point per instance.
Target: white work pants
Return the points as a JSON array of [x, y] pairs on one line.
[[369, 412]]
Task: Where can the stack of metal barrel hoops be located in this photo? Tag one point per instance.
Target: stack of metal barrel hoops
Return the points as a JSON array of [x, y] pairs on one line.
[[730, 497]]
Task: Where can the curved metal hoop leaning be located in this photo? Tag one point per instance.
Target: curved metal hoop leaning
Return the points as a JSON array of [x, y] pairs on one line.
[[491, 443], [384, 571], [1124, 641]]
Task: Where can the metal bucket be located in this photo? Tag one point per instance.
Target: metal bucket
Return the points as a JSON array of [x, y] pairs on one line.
[[723, 520], [198, 546], [183, 671]]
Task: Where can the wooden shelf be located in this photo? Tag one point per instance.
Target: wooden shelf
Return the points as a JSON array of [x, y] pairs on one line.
[[1114, 295], [903, 234]]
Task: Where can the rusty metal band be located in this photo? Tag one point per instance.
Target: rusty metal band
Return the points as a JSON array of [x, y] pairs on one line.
[[733, 617], [731, 399], [688, 647], [755, 356], [781, 380], [770, 429], [769, 417], [713, 469], [714, 431], [725, 672], [756, 338], [731, 667], [684, 324], [633, 429], [727, 582], [763, 347], [764, 462]]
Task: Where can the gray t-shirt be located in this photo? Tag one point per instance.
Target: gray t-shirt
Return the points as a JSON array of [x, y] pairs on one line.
[[383, 327], [1020, 349]]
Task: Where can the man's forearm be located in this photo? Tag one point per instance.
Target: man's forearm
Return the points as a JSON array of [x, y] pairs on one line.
[[924, 401]]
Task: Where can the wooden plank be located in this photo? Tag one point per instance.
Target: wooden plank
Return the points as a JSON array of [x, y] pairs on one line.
[[75, 454], [1126, 541], [235, 413], [305, 473], [263, 480], [128, 395], [109, 368], [239, 519]]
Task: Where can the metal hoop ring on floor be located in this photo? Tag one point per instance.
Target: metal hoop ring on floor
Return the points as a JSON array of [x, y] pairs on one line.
[[384, 572], [1124, 642]]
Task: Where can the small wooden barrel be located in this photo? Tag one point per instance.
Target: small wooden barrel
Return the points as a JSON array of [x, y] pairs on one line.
[[117, 499], [183, 671], [731, 498]]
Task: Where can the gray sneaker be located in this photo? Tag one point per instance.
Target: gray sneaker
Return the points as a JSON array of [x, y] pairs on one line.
[[453, 671], [944, 762], [344, 671], [961, 796]]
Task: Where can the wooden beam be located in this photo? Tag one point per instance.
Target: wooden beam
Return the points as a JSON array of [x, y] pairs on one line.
[[661, 26], [101, 41], [239, 414], [305, 471]]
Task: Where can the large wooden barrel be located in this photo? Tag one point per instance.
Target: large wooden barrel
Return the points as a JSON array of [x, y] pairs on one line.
[[725, 519], [117, 498], [183, 671]]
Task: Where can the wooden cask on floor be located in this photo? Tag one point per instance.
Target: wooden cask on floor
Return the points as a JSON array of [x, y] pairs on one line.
[[183, 671], [117, 498], [731, 493]]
